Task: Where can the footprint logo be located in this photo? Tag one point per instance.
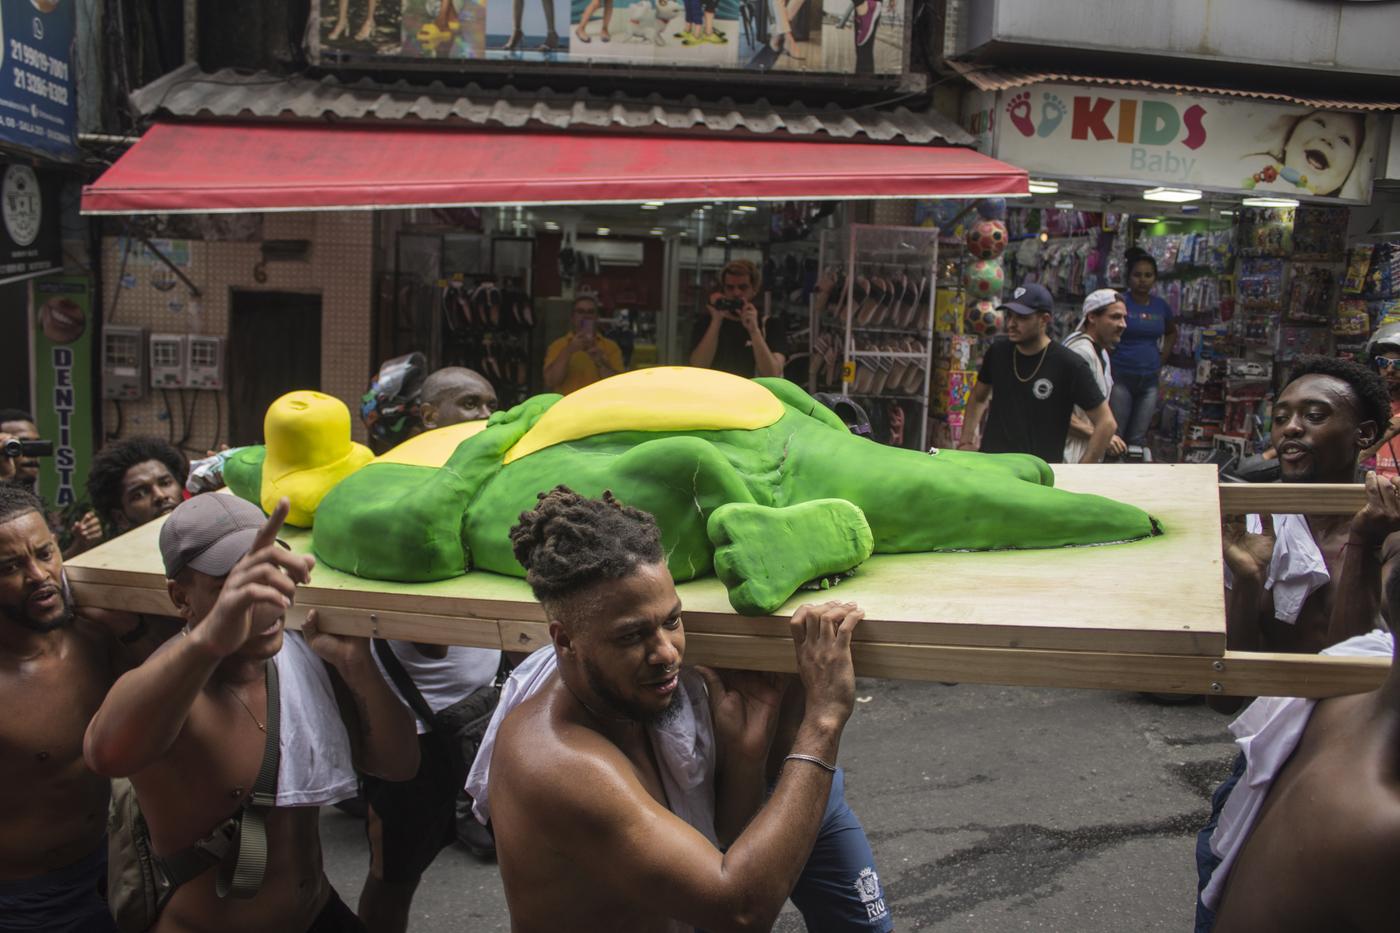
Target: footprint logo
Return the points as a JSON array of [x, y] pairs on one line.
[[1051, 114], [1019, 111]]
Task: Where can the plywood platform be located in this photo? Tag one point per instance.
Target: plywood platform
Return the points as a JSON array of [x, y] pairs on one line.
[[1146, 615]]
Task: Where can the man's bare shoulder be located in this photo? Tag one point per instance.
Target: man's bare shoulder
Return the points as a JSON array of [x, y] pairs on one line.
[[543, 755]]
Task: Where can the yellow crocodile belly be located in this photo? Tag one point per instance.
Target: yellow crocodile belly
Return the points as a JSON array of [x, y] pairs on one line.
[[432, 448], [664, 398]]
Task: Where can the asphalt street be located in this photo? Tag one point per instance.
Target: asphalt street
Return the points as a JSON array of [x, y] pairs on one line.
[[989, 809]]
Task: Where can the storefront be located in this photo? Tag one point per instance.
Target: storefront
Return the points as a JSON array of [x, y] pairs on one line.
[[1259, 214], [385, 231]]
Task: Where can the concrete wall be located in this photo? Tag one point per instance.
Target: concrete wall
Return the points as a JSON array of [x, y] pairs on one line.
[[1355, 37], [340, 271]]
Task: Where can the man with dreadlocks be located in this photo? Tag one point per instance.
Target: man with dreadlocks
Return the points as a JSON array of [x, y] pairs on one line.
[[1303, 582], [586, 803]]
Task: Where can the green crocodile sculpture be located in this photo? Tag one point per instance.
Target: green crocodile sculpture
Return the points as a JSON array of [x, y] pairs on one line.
[[753, 480]]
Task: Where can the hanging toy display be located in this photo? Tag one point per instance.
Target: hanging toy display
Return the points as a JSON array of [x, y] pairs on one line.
[[984, 279], [982, 318], [987, 239]]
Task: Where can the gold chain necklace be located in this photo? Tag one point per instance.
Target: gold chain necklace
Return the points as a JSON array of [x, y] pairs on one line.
[[1016, 369], [234, 694]]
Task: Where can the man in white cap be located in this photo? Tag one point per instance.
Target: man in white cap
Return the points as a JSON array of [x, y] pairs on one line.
[[1028, 386], [1105, 319], [235, 733]]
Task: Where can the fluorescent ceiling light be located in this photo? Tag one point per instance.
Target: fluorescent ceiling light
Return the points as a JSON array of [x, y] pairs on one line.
[[1172, 195], [1149, 220], [1065, 205], [1227, 213], [748, 208], [550, 225], [652, 205], [604, 231], [657, 231], [1038, 186], [1269, 202]]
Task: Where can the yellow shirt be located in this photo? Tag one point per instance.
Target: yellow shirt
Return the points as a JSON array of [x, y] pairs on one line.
[[582, 370]]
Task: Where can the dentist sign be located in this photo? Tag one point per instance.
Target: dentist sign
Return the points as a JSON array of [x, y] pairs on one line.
[[1222, 144]]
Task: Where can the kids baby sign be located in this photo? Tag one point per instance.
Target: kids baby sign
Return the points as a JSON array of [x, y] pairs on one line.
[[1203, 142]]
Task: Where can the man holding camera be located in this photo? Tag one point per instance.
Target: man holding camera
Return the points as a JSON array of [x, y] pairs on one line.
[[20, 464], [735, 339], [581, 357]]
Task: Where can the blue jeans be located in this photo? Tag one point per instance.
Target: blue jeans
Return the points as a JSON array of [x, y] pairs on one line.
[[1206, 860], [1133, 400]]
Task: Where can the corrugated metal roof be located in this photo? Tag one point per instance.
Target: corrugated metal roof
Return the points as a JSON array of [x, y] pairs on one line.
[[1002, 79], [191, 93]]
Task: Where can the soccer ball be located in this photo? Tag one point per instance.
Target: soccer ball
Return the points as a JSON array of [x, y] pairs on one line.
[[982, 318], [987, 239], [984, 278]]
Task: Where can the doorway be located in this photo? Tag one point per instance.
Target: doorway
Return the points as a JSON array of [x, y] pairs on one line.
[[274, 347]]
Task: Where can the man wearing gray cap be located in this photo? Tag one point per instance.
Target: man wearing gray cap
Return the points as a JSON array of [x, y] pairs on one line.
[[194, 728], [1031, 384]]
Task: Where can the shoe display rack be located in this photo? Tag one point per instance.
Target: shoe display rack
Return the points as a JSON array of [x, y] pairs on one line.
[[872, 325]]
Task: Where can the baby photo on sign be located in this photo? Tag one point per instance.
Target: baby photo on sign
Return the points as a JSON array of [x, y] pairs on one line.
[[1326, 153]]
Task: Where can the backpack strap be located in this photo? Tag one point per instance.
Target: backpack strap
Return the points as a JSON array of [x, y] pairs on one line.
[[407, 688], [244, 877]]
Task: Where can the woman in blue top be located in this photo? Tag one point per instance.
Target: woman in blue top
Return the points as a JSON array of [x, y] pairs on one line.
[[1138, 360]]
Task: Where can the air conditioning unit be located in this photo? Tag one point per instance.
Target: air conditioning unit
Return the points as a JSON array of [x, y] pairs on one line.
[[123, 363], [167, 361], [204, 367]]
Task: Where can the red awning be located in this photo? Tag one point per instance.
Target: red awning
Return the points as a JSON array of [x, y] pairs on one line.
[[207, 167]]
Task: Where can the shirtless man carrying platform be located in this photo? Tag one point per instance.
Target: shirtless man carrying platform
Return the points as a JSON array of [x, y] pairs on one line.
[[1323, 419], [584, 836], [54, 670], [189, 726], [1321, 851]]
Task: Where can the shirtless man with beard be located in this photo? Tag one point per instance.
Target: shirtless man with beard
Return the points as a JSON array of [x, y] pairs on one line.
[[55, 669], [584, 836]]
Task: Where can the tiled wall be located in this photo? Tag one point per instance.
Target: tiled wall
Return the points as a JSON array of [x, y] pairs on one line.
[[340, 271]]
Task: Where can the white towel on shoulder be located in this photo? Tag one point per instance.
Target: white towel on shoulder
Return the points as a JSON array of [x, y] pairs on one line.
[[1296, 569], [1267, 732], [685, 746], [316, 766]]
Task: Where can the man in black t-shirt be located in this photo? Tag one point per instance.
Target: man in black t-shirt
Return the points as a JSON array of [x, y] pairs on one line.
[[1031, 384], [732, 336]]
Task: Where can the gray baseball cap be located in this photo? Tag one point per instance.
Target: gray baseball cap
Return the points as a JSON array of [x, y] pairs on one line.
[[209, 533]]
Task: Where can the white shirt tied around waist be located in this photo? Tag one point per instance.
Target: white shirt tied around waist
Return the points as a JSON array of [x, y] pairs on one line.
[[685, 745]]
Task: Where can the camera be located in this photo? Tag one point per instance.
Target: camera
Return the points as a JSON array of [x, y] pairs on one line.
[[18, 448], [733, 305]]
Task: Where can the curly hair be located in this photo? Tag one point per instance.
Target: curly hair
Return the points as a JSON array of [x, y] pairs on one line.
[[15, 500], [108, 470], [1373, 398], [15, 414], [568, 542]]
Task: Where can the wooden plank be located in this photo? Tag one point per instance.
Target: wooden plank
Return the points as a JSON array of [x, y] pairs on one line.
[[1292, 498], [1158, 596], [1237, 674]]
